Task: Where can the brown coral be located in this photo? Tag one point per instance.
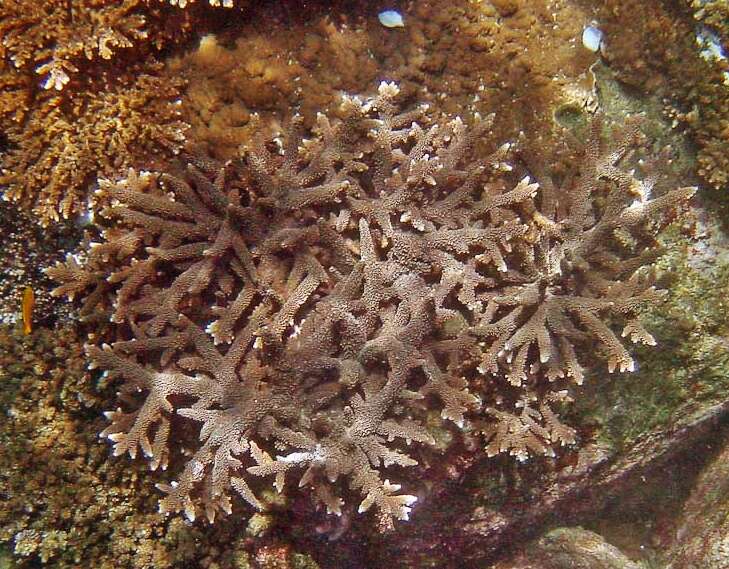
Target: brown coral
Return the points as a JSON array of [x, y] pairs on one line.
[[49, 38], [79, 86], [63, 146], [306, 308], [455, 56]]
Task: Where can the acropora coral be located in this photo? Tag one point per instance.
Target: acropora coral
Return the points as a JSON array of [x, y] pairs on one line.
[[302, 310], [57, 40], [63, 146], [80, 86]]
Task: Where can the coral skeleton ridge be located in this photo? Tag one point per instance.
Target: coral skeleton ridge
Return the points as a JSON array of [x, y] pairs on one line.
[[305, 309]]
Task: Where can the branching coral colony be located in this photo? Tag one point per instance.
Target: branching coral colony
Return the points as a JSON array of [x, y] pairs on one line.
[[306, 309]]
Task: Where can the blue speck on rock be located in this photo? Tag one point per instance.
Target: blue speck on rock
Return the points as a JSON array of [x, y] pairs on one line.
[[391, 19]]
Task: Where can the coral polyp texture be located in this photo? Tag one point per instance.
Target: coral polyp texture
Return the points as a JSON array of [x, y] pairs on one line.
[[297, 316]]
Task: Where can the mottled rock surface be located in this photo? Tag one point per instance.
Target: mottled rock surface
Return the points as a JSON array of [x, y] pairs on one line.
[[702, 540], [570, 548]]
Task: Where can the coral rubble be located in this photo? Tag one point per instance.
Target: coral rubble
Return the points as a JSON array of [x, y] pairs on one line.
[[306, 308]]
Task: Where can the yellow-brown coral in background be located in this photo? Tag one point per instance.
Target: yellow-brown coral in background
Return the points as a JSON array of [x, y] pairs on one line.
[[658, 53], [57, 39], [63, 145], [50, 37], [486, 57], [80, 89]]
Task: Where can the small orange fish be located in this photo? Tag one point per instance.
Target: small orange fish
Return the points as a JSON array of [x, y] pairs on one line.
[[28, 304]]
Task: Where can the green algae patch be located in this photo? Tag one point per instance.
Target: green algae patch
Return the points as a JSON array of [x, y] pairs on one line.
[[6, 559], [258, 524]]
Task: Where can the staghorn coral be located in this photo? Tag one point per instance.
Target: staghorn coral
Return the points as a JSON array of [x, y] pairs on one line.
[[304, 309]]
